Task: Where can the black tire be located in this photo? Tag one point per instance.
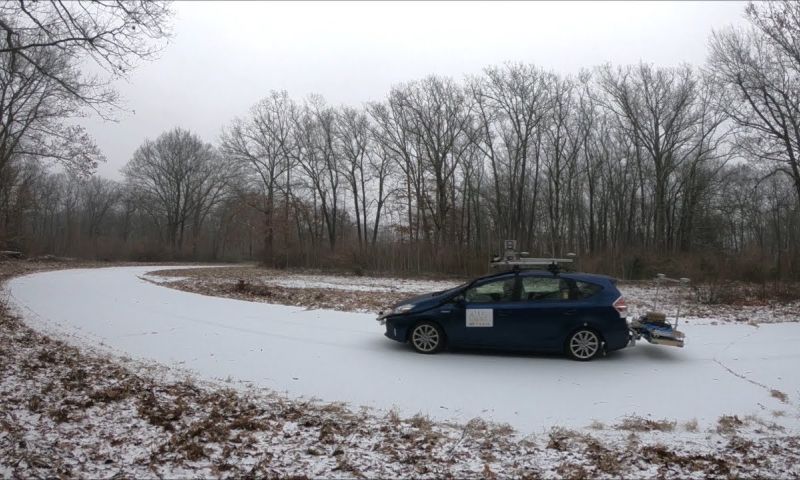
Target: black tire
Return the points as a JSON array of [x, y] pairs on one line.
[[584, 344], [426, 337]]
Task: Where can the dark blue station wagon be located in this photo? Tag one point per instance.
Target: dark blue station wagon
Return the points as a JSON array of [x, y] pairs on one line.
[[579, 314]]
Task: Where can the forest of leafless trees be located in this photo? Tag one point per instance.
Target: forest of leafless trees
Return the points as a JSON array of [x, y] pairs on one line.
[[634, 168]]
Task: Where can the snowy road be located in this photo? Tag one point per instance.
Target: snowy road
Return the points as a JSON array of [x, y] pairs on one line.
[[338, 356]]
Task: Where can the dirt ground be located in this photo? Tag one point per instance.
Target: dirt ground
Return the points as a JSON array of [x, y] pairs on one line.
[[68, 412]]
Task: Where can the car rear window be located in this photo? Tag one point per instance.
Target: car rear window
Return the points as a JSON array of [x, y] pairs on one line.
[[587, 289]]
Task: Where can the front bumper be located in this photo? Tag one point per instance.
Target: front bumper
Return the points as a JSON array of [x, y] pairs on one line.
[[396, 329]]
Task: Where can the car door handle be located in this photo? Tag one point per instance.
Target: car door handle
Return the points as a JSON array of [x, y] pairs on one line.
[[503, 314], [571, 311]]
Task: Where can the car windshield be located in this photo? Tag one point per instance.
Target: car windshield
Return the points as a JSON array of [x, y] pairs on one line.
[[451, 290]]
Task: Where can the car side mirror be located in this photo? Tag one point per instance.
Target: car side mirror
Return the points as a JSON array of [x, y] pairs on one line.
[[459, 301]]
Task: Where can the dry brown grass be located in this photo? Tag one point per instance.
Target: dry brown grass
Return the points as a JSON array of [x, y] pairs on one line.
[[639, 424], [572, 469], [562, 439], [604, 459], [779, 395], [738, 293], [668, 460], [393, 417], [597, 425], [691, 425], [729, 424], [763, 426], [252, 283]]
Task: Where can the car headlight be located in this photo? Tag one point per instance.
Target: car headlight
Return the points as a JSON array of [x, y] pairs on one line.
[[403, 308]]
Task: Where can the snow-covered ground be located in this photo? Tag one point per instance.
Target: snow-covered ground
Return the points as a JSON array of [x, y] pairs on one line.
[[725, 369]]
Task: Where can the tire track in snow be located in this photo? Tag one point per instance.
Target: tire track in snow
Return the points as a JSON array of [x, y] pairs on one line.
[[743, 377], [773, 392]]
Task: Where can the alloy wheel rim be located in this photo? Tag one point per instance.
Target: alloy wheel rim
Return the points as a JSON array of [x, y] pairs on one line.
[[584, 344], [425, 338]]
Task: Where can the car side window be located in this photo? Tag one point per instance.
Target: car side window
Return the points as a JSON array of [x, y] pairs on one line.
[[545, 288], [586, 289], [494, 291]]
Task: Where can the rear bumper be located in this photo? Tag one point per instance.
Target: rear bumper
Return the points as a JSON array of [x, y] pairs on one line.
[[617, 336], [617, 340]]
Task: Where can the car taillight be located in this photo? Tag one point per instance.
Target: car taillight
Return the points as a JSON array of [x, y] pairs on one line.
[[619, 305]]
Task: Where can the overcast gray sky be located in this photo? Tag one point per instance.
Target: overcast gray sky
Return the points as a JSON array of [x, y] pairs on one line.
[[226, 56]]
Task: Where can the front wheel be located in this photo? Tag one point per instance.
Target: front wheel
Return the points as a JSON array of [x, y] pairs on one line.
[[427, 337], [584, 345]]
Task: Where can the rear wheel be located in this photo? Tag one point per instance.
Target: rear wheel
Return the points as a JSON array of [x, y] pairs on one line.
[[584, 345], [427, 337]]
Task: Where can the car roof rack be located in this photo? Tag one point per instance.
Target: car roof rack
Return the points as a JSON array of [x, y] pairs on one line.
[[515, 260], [552, 265]]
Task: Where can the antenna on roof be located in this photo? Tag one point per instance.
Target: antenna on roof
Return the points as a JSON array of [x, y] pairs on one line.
[[554, 268]]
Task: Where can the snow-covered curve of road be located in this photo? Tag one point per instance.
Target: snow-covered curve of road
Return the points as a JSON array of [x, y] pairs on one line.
[[340, 356]]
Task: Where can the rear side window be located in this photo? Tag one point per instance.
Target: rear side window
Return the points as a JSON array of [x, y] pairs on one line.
[[586, 289], [545, 288]]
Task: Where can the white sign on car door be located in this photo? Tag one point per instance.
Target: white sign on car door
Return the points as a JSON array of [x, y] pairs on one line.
[[480, 317]]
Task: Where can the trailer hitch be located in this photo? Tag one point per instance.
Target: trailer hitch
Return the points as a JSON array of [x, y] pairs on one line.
[[653, 326]]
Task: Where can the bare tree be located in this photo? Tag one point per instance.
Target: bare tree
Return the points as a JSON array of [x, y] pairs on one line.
[[114, 34], [260, 148], [510, 103], [317, 155], [177, 180], [381, 168], [438, 118], [656, 105], [780, 23], [393, 134], [759, 69], [33, 108], [355, 142], [561, 147], [98, 197], [44, 47]]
